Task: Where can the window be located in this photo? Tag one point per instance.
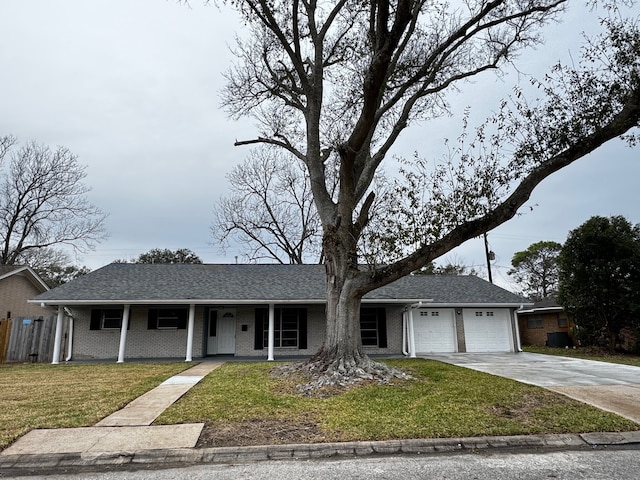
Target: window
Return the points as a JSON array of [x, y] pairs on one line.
[[562, 321], [167, 318], [111, 319], [478, 314], [373, 327], [489, 314], [290, 328], [534, 321], [106, 319]]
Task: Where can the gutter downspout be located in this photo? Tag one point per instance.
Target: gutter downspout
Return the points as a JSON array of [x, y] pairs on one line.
[[517, 327], [70, 343]]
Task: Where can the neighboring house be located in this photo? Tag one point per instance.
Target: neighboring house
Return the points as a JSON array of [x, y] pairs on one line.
[[264, 310], [25, 328], [545, 323]]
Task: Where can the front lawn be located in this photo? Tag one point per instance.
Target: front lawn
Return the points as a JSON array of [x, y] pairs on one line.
[[242, 404], [587, 353], [55, 396]]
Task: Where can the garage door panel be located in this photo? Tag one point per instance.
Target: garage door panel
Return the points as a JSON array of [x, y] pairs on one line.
[[434, 331], [487, 330]]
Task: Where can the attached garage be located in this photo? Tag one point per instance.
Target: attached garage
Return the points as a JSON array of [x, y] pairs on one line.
[[434, 330], [487, 330]]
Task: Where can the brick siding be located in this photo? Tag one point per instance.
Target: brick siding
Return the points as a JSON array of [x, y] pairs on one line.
[[538, 336]]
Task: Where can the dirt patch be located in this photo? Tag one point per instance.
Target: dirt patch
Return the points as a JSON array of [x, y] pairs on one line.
[[260, 432], [521, 411]]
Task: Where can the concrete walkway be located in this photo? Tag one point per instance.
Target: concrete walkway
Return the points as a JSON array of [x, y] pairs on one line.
[[126, 430], [608, 386]]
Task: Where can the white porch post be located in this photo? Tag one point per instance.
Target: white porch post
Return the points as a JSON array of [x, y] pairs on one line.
[[272, 322], [192, 316], [58, 336], [123, 333], [412, 337]]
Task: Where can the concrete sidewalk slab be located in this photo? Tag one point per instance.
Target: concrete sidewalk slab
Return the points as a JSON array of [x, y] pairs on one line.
[[146, 408], [105, 439], [623, 400]]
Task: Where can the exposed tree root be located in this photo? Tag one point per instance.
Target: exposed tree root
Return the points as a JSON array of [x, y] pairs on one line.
[[324, 376]]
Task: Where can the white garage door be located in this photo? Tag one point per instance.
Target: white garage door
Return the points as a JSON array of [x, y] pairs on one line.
[[487, 330], [434, 329]]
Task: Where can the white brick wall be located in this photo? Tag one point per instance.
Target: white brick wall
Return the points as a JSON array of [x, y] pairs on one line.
[[141, 342], [144, 343]]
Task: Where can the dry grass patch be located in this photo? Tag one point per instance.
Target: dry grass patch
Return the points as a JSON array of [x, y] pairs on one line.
[[243, 404], [55, 396]]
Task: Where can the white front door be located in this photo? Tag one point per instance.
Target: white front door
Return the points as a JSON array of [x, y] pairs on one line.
[[222, 332], [227, 331]]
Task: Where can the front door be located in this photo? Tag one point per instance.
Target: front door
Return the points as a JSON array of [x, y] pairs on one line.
[[222, 332]]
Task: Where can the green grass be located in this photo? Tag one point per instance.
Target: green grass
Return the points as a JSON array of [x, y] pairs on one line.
[[56, 396], [442, 401], [587, 354]]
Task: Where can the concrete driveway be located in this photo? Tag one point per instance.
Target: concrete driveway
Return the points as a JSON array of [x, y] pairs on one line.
[[609, 386]]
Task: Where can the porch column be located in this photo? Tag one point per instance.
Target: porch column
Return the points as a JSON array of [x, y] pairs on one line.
[[58, 336], [123, 333], [272, 322], [412, 337], [192, 316]]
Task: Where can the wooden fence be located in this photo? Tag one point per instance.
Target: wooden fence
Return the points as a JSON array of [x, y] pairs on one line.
[[28, 339]]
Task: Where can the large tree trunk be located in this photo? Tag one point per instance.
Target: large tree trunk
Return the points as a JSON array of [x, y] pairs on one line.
[[341, 361]]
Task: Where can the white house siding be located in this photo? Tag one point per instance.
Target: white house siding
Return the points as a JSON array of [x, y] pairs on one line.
[[141, 342]]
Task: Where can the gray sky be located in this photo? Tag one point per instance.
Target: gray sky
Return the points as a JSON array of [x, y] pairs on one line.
[[132, 88]]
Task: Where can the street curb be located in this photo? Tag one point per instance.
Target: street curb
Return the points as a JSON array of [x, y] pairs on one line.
[[222, 455]]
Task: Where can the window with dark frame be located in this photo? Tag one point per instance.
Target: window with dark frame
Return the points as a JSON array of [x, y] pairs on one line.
[[106, 319], [373, 327], [111, 319], [287, 322], [167, 318], [534, 322], [283, 336], [562, 321]]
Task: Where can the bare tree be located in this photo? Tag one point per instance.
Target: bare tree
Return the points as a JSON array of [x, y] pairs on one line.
[[270, 211], [43, 202], [343, 79]]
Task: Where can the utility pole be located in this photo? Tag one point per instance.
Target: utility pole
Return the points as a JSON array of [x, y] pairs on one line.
[[490, 256]]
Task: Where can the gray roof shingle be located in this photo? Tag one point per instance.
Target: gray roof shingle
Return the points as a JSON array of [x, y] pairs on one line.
[[219, 283]]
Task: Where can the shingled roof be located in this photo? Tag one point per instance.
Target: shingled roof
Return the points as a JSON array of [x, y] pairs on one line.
[[257, 283]]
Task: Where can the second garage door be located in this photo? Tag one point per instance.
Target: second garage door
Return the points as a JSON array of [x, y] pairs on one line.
[[434, 330], [487, 330]]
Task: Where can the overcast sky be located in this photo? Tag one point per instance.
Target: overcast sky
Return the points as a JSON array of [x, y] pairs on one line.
[[132, 88]]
